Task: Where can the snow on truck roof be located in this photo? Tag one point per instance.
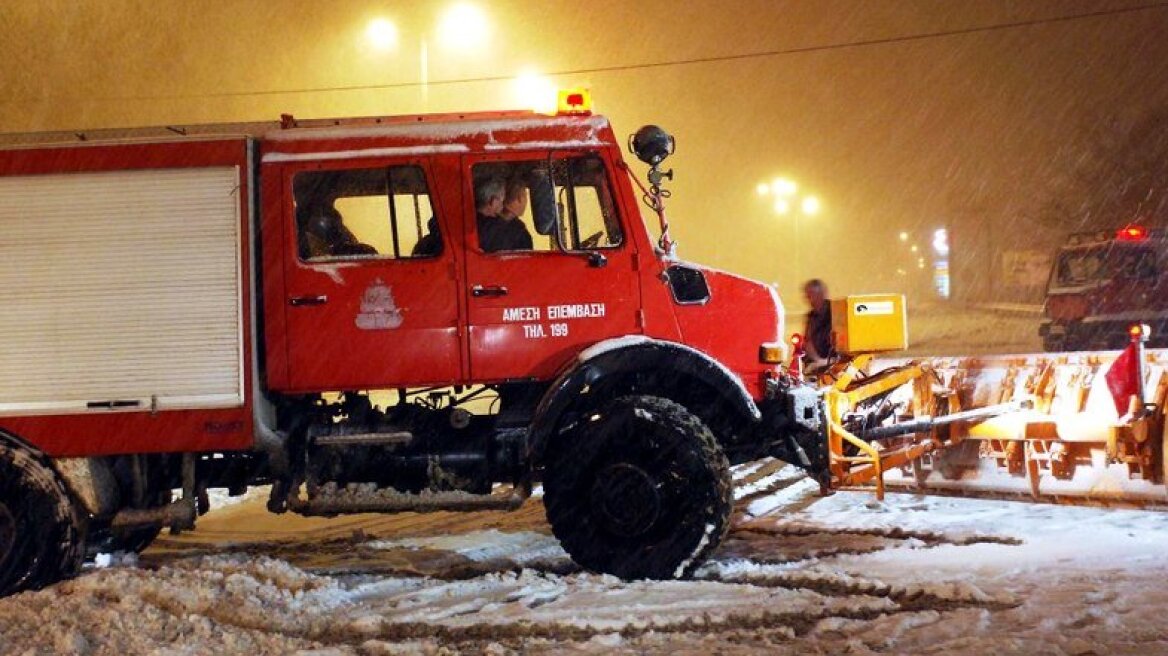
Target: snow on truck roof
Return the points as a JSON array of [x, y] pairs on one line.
[[289, 137]]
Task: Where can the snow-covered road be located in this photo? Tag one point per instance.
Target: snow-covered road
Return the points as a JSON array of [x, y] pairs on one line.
[[798, 573]]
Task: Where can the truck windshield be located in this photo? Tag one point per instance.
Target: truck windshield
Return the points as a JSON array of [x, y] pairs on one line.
[[1081, 266]]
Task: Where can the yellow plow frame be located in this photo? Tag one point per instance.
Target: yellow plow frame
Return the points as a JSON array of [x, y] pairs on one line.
[[1043, 426]]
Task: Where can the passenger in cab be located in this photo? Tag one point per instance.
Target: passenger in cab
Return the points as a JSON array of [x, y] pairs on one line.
[[431, 244], [499, 206], [323, 233]]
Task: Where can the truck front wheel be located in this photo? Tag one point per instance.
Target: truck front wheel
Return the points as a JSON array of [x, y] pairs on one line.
[[638, 489], [40, 540]]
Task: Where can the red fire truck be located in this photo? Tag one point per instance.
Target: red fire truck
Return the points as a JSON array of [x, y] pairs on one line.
[[312, 305], [1103, 282]]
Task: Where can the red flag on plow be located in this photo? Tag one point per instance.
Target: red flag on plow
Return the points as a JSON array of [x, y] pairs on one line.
[[1123, 378]]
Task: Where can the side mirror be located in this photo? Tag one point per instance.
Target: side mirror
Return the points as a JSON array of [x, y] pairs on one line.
[[597, 260]]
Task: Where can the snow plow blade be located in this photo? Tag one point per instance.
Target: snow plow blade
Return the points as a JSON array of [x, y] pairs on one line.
[[1051, 427]]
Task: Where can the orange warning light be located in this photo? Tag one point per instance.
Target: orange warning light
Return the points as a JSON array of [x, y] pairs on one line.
[[574, 102]]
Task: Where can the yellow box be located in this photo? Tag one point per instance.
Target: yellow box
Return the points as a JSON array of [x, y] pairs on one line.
[[869, 323]]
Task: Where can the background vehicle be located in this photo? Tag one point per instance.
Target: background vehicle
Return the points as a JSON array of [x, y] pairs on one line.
[[1101, 283]]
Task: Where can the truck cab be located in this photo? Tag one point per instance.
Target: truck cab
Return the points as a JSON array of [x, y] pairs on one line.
[[419, 300]]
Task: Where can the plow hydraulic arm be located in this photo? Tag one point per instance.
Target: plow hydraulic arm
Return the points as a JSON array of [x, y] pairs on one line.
[[927, 424]]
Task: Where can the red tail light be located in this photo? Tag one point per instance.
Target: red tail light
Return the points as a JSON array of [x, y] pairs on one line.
[[1132, 233]]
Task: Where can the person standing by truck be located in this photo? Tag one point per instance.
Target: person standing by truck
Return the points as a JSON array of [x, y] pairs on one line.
[[817, 329]]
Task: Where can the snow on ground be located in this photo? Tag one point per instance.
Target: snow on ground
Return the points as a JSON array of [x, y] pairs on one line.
[[951, 329], [798, 573]]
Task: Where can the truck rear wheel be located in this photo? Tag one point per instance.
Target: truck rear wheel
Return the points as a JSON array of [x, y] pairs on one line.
[[639, 489], [40, 539]]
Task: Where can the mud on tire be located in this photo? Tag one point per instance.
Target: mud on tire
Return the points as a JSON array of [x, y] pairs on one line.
[[40, 535], [638, 489]]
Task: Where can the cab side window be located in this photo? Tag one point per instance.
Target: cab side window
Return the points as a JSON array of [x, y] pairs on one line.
[[589, 218], [372, 213], [554, 204]]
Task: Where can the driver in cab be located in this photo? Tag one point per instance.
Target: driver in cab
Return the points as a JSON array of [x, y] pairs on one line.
[[498, 207]]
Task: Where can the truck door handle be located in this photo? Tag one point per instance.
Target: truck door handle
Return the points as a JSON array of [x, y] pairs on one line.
[[302, 301], [488, 290]]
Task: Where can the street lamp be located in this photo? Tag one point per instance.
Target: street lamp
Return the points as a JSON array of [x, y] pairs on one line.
[[462, 27], [785, 202], [811, 205], [535, 92], [783, 187], [382, 34]]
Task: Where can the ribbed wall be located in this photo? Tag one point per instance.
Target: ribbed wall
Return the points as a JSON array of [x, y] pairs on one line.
[[120, 286]]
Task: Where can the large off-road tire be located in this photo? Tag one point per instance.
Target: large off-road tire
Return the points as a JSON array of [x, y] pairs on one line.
[[638, 489], [40, 535]]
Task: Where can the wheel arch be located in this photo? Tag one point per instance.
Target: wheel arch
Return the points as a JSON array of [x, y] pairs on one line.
[[644, 365], [8, 438]]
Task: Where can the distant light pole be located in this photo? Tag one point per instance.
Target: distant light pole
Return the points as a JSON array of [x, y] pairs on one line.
[[463, 27], [784, 191]]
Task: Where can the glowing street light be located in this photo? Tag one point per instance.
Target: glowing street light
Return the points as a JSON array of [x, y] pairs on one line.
[[535, 92], [783, 187], [382, 34], [787, 202], [810, 205], [463, 27], [903, 235]]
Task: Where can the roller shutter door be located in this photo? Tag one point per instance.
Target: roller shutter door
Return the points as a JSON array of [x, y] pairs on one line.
[[120, 289]]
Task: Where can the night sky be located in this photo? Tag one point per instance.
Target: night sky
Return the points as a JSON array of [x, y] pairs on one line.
[[892, 130]]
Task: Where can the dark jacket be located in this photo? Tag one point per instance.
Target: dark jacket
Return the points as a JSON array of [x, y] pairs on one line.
[[499, 234], [818, 331]]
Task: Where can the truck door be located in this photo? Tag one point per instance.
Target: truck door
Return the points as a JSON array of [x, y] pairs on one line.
[[371, 299], [553, 281]]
